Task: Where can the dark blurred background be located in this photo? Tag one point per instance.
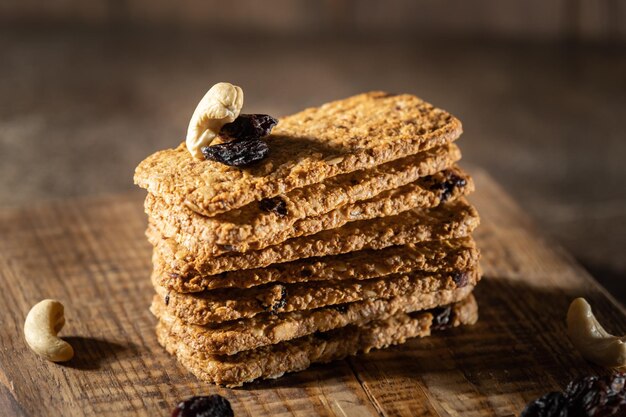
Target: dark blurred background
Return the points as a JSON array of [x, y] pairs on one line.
[[89, 88]]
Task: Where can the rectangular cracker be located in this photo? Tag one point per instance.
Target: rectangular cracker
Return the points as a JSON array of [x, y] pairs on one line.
[[267, 329], [275, 360], [432, 256], [453, 219], [318, 143], [254, 223], [234, 304], [192, 230]]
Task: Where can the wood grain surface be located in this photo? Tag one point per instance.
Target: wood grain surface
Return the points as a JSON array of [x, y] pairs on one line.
[[92, 255]]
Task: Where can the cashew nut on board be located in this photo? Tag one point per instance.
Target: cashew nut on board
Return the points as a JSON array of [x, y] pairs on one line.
[[590, 338], [220, 105], [42, 324]]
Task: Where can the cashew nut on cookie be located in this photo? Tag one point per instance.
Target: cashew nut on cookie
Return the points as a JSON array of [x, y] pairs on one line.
[[220, 105], [42, 324]]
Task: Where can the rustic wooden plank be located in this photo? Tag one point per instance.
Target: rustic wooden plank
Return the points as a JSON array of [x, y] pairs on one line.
[[92, 255], [518, 350]]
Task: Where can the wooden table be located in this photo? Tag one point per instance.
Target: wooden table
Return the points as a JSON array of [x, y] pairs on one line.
[[92, 255]]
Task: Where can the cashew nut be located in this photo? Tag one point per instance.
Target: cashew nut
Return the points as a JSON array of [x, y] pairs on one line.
[[220, 105], [42, 324], [590, 338]]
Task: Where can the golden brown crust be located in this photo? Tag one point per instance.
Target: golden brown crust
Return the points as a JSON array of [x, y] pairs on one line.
[[318, 143], [254, 223], [266, 329], [192, 230], [432, 256], [234, 304], [275, 360], [454, 219]]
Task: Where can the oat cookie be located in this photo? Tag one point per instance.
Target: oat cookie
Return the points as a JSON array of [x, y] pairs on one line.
[[234, 304], [232, 337], [306, 148], [275, 360], [192, 230], [432, 256], [258, 221], [454, 219]]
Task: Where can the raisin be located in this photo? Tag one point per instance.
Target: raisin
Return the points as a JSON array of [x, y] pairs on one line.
[[441, 317], [204, 406], [281, 302], [237, 153], [460, 279], [167, 299], [553, 404], [274, 205], [450, 185], [249, 127], [591, 396], [446, 187]]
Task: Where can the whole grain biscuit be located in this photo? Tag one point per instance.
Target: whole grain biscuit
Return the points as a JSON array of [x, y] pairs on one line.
[[318, 143], [192, 230], [260, 221], [432, 256], [234, 304], [232, 337], [453, 219], [273, 361]]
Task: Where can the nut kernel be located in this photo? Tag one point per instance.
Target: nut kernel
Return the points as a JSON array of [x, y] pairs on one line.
[[220, 105], [590, 338], [44, 320]]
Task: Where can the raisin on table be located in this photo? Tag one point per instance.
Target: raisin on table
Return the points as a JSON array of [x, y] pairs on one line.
[[204, 406], [591, 396]]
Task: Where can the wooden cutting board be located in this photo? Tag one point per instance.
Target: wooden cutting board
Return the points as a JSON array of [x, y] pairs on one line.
[[92, 255]]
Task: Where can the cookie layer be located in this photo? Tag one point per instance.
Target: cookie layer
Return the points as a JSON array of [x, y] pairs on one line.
[[300, 211], [318, 143], [268, 329], [275, 360], [454, 219], [190, 229], [234, 304], [432, 256]]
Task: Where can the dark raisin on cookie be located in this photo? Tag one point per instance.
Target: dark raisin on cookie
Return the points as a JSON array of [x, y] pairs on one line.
[[280, 303], [447, 187], [237, 153], [590, 396], [249, 127], [204, 406], [274, 205], [460, 279], [167, 299]]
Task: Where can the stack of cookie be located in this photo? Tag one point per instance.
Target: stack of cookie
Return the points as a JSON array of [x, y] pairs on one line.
[[352, 234]]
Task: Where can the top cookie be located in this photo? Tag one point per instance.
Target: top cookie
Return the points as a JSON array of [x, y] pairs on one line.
[[339, 137]]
